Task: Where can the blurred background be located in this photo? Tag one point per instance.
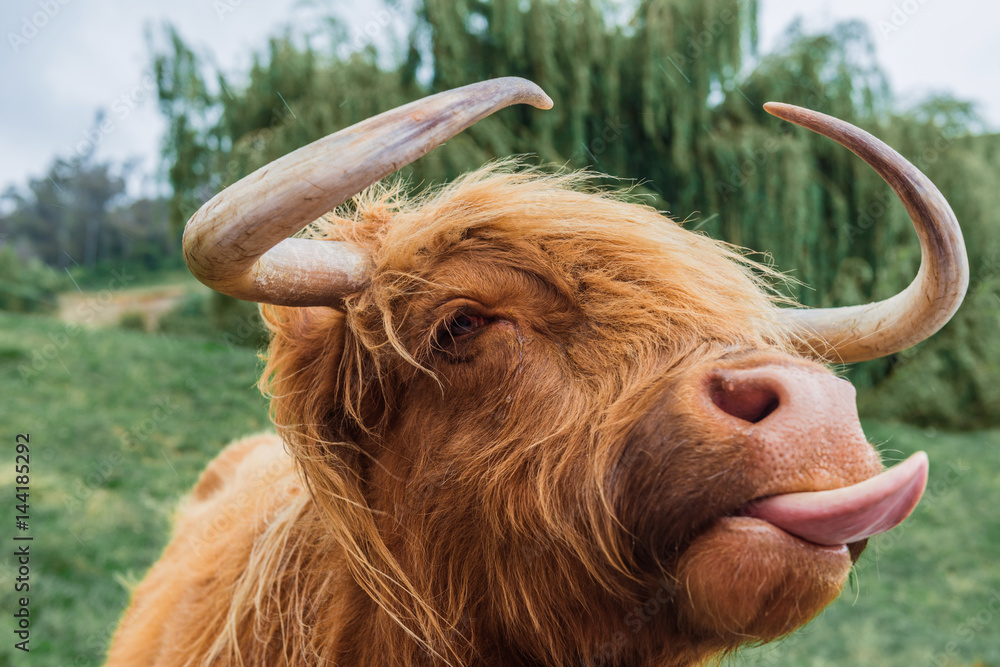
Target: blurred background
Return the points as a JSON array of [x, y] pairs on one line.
[[122, 119]]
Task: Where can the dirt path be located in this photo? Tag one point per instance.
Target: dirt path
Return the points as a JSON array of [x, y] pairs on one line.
[[106, 308]]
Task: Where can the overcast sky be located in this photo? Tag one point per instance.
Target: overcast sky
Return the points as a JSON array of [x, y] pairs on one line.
[[62, 60]]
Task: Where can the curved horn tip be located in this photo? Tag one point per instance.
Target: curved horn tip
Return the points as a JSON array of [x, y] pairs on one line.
[[870, 331], [543, 101], [530, 91], [782, 110]]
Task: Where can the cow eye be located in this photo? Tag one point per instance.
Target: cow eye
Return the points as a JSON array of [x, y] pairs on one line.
[[465, 324], [458, 326]]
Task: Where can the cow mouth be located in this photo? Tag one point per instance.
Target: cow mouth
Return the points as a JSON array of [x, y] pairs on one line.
[[848, 514]]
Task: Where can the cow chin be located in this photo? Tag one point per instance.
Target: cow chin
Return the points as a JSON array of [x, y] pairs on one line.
[[745, 579]]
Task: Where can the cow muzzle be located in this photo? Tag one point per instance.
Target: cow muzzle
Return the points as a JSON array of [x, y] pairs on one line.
[[800, 424], [784, 492]]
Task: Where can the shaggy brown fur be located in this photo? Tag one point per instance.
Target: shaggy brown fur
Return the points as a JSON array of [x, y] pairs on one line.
[[494, 458]]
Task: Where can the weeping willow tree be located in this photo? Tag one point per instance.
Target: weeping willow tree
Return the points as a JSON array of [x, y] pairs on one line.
[[219, 130], [667, 93]]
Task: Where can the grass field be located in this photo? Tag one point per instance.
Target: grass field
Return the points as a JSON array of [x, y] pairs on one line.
[[122, 422]]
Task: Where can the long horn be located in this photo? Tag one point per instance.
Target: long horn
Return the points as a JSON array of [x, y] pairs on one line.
[[870, 331], [237, 243]]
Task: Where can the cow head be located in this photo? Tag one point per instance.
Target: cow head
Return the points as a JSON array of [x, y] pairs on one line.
[[551, 424]]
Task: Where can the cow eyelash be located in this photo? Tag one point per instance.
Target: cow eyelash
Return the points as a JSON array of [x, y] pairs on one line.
[[456, 327]]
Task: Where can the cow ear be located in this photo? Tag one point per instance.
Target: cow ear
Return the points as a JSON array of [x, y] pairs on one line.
[[301, 338], [359, 408], [340, 399]]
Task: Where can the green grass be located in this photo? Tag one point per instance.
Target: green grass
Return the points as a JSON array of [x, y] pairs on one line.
[[122, 422], [137, 276]]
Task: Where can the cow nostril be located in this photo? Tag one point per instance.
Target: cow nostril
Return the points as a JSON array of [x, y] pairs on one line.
[[750, 401]]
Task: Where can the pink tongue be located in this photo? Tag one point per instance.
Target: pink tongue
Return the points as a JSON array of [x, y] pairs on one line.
[[848, 514]]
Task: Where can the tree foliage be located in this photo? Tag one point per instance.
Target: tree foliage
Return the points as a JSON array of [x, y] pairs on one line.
[[668, 93], [62, 217], [78, 215], [26, 286]]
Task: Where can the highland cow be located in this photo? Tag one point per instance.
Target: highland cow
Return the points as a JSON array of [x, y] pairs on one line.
[[523, 421]]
